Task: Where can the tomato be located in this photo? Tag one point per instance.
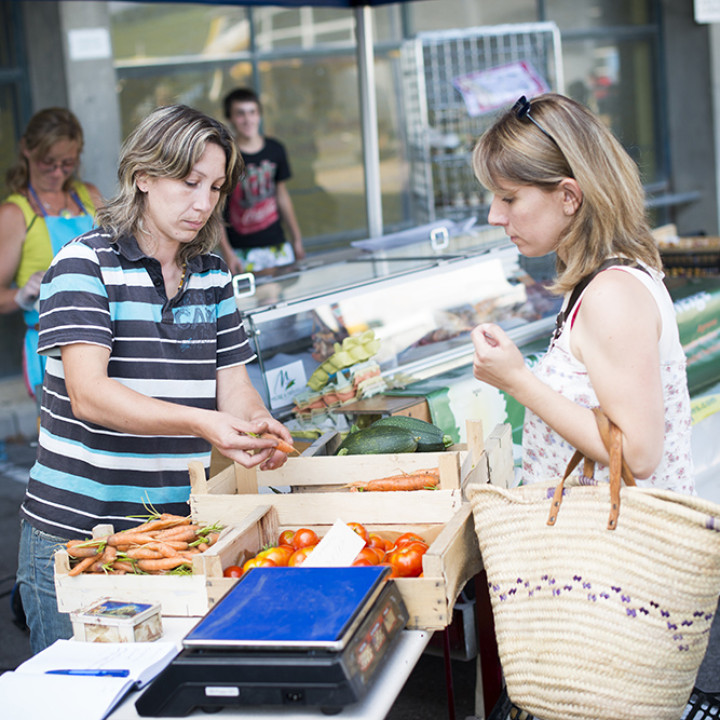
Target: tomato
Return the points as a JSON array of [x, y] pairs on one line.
[[304, 537], [366, 555], [360, 530], [299, 556], [379, 552], [377, 541], [279, 555], [409, 537], [257, 562], [233, 571], [286, 537], [406, 560]]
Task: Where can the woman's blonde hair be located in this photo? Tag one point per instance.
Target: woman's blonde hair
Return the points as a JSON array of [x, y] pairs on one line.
[[167, 144], [611, 219], [46, 127]]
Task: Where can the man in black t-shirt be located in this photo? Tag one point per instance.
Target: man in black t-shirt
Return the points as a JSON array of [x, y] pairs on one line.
[[260, 204]]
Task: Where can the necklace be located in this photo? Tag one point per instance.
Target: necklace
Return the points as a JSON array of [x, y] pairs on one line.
[[182, 277]]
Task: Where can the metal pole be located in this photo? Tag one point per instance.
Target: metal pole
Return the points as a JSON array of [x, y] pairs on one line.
[[369, 120]]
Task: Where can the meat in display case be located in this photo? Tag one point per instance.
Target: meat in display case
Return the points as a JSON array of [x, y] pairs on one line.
[[411, 308]]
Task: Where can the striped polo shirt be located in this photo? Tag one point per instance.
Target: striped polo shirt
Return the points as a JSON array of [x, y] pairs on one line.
[[113, 295]]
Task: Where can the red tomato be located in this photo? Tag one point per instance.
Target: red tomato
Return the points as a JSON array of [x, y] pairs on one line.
[[257, 562], [304, 537], [286, 537], [379, 552], [360, 530], [366, 555], [409, 537], [406, 561], [378, 541], [299, 556], [279, 555], [232, 571]]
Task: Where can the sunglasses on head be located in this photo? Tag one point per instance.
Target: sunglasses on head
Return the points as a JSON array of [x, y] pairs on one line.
[[521, 110]]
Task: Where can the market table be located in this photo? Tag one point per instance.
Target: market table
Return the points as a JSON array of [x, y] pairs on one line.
[[374, 706]]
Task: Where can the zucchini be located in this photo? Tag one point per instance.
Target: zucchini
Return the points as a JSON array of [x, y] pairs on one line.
[[378, 440], [430, 437]]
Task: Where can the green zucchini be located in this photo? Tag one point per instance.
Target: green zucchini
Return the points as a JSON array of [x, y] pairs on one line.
[[430, 437], [378, 440]]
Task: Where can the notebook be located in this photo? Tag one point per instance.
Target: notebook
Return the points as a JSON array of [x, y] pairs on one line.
[[29, 692]]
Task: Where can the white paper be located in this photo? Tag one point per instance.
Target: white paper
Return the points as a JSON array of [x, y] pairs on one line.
[[143, 660], [27, 696], [338, 548]]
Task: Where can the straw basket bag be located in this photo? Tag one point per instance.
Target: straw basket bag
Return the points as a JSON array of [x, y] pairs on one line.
[[602, 597]]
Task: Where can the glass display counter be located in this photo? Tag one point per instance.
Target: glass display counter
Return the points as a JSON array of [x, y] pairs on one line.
[[420, 302]]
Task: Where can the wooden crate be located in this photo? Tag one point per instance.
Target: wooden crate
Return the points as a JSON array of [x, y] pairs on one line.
[[254, 520], [178, 595], [442, 516], [319, 470]]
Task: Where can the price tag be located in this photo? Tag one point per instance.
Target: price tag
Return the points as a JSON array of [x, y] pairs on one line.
[[338, 548], [285, 382]]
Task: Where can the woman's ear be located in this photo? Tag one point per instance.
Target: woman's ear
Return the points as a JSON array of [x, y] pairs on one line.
[[572, 196], [141, 181]]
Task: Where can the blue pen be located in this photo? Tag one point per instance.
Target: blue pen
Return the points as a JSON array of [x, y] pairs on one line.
[[96, 672]]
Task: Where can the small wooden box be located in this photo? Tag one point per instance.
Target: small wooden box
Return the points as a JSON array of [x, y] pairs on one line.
[[117, 621]]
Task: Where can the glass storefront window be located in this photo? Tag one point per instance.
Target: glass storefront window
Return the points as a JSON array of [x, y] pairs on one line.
[[614, 79], [431, 15], [585, 14], [161, 30]]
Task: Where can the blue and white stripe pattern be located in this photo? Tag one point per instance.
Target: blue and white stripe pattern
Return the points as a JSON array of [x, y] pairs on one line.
[[111, 294]]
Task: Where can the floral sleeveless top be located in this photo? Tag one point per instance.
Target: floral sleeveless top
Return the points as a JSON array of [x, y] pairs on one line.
[[546, 454]]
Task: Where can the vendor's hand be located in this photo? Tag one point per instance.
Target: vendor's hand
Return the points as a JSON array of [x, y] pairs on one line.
[[26, 296], [276, 428], [239, 440], [497, 360], [235, 265]]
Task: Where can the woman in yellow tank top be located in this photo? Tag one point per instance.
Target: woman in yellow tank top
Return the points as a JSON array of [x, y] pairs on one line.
[[47, 207]]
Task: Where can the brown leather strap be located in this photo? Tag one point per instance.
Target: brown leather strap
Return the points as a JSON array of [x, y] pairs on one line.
[[618, 469]]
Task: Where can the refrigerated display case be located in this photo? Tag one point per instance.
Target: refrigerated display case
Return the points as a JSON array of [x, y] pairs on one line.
[[419, 299]]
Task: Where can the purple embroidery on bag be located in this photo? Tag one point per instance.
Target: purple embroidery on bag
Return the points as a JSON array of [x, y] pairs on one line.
[[630, 612]]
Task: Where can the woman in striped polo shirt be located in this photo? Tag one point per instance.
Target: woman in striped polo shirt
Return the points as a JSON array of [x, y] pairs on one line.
[[146, 355]]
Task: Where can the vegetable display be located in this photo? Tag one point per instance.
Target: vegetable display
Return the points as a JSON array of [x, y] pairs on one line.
[[403, 554], [395, 434], [165, 543]]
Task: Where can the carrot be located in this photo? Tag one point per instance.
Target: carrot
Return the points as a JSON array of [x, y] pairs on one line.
[[77, 551], [82, 566], [166, 520], [123, 567], [144, 553], [186, 532], [280, 444], [130, 537], [418, 480], [160, 564]]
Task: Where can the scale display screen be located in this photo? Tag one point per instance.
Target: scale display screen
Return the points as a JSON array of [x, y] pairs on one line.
[[290, 608]]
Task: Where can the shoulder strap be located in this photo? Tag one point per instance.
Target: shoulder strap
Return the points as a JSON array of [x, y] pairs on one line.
[[577, 291]]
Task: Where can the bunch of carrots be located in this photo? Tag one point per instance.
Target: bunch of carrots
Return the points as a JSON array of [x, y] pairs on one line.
[[416, 480], [164, 543]]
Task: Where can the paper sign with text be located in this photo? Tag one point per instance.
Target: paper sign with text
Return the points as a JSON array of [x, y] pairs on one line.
[[338, 548], [285, 382]]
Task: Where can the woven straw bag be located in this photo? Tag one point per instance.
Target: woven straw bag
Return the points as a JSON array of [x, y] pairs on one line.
[[599, 615]]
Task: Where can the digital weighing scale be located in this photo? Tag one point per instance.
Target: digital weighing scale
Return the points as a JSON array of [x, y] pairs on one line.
[[287, 636]]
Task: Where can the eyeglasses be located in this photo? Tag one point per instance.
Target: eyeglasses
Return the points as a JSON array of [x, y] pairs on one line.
[[521, 109], [66, 166]]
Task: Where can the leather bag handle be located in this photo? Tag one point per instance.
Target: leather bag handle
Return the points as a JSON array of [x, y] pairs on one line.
[[618, 468]]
